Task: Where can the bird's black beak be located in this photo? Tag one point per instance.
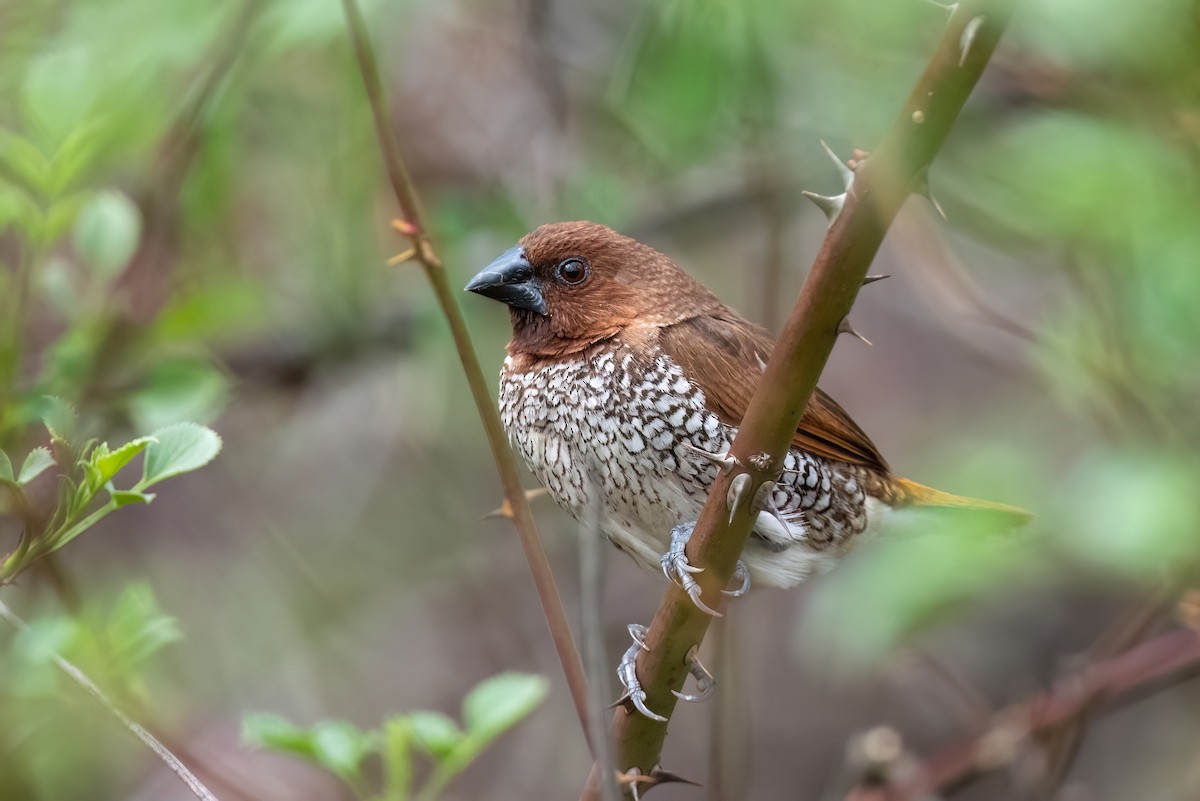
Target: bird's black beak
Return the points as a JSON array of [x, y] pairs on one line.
[[509, 279]]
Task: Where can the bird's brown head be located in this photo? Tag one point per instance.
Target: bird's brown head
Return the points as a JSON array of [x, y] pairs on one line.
[[570, 285]]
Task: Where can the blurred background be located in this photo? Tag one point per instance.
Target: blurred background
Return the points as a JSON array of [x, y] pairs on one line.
[[195, 227]]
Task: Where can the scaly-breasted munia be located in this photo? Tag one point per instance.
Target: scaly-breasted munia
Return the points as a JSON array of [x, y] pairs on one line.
[[623, 371]]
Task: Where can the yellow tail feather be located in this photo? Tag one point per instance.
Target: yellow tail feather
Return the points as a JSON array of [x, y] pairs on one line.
[[910, 493]]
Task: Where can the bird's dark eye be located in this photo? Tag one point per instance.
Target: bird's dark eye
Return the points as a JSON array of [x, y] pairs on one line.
[[573, 271]]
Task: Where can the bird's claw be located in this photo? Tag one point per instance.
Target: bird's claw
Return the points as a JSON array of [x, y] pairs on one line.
[[677, 568], [742, 573], [627, 674], [634, 778], [705, 683]]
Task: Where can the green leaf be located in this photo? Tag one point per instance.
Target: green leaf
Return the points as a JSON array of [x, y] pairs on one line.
[[178, 449], [276, 733], [124, 498], [109, 463], [397, 760], [1130, 512], [61, 215], [6, 469], [59, 417], [37, 462], [107, 232], [91, 485], [138, 629], [339, 747], [17, 206], [59, 89], [24, 161], [500, 702], [179, 390], [435, 732], [76, 153]]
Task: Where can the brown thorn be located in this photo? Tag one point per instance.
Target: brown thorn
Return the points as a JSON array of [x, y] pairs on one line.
[[725, 461], [633, 777], [662, 776], [636, 780], [922, 188], [832, 206], [505, 508], [844, 327], [737, 491], [762, 496], [406, 228], [968, 37], [844, 171], [400, 258]]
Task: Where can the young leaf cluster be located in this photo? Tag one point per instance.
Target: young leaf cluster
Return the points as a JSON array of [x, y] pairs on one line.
[[87, 471], [491, 708]]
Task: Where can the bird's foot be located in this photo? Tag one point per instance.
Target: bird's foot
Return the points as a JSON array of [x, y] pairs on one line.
[[677, 568], [742, 574], [705, 683], [627, 674], [634, 779]]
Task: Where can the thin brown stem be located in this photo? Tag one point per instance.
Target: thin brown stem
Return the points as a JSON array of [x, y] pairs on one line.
[[591, 596], [879, 188], [1061, 744], [12, 346], [423, 253], [173, 763]]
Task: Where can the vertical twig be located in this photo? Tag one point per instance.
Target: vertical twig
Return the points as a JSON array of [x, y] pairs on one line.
[[12, 341], [76, 675], [423, 253], [591, 591]]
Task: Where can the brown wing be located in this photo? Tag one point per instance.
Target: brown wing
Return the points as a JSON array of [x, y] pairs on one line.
[[725, 354]]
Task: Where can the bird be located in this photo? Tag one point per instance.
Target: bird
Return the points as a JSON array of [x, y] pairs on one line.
[[625, 378]]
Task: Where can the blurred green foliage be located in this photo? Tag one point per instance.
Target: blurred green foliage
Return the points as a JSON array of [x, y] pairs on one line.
[[490, 709], [192, 210], [1082, 159], [115, 642]]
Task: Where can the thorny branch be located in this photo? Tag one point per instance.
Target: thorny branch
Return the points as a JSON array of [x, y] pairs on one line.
[[516, 504], [1161, 662], [859, 220]]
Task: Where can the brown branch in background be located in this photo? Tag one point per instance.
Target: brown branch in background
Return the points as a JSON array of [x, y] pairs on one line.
[[1060, 745], [422, 251], [1162, 662], [879, 187], [76, 675]]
